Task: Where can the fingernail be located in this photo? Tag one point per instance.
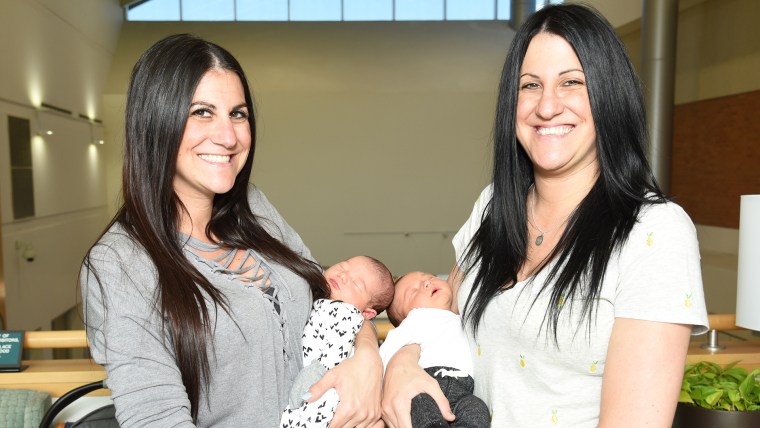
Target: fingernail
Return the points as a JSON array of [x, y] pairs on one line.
[[306, 396]]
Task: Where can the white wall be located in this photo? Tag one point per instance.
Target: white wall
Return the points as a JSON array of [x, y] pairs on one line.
[[70, 210], [57, 52], [618, 12]]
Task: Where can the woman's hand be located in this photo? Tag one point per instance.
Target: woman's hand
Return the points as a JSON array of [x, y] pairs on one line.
[[358, 381], [404, 380]]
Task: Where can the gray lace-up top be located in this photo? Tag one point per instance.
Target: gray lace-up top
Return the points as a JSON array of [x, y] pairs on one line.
[[254, 353]]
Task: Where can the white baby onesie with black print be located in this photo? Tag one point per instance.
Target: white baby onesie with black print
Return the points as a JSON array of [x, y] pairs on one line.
[[328, 339]]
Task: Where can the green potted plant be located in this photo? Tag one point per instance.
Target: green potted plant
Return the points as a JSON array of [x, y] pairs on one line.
[[715, 396]]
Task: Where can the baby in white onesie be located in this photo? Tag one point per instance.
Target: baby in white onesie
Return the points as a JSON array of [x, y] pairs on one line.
[[421, 312]]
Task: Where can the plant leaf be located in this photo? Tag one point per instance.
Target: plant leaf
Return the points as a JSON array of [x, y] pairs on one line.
[[746, 387], [737, 373], [714, 397]]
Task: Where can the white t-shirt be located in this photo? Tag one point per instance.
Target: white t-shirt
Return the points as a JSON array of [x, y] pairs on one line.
[[523, 377], [440, 336]]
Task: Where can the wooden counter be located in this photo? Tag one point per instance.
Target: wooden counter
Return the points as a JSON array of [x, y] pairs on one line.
[[747, 352], [55, 376]]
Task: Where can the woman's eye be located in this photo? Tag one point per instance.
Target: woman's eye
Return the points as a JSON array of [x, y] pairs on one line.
[[573, 82], [239, 114], [529, 85], [201, 112]]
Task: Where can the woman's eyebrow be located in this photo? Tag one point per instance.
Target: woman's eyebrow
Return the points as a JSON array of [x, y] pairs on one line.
[[203, 103], [535, 76]]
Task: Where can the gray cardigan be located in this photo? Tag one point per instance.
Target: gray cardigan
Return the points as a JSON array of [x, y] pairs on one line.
[[251, 375]]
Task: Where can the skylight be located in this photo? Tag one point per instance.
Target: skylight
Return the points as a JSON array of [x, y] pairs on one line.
[[321, 10]]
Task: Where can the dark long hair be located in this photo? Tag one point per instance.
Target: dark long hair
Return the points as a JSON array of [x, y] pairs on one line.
[[602, 222], [160, 92]]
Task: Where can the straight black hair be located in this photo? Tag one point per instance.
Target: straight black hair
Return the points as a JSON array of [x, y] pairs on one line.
[[161, 90], [604, 218]]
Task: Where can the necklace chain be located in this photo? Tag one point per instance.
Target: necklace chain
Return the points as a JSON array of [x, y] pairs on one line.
[[540, 238]]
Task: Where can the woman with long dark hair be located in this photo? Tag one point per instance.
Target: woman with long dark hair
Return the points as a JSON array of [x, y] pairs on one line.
[[578, 281], [196, 294]]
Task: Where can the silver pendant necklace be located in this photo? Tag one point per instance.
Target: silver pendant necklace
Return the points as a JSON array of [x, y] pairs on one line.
[[540, 238]]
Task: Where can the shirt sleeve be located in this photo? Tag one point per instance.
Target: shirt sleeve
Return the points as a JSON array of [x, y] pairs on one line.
[[660, 276], [470, 227], [124, 330], [275, 224]]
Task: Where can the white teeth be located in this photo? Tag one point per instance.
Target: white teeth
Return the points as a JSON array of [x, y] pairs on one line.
[[215, 158], [557, 130]]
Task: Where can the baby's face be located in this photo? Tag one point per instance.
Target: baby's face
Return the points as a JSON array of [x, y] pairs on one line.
[[353, 281], [420, 290]]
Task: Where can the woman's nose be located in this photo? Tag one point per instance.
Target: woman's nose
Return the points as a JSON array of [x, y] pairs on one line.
[[549, 106], [224, 133]]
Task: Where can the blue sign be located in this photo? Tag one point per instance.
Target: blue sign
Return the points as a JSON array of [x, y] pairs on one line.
[[11, 345]]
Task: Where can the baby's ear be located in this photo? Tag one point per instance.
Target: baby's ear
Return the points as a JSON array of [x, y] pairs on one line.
[[369, 313]]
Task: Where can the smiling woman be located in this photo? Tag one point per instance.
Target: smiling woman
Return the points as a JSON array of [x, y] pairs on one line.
[[196, 294], [573, 265]]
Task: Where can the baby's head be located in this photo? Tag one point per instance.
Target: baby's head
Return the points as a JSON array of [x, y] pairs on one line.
[[418, 290], [363, 282]]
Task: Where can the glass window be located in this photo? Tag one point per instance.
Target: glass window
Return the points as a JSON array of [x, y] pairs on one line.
[[315, 10], [22, 180], [208, 10], [368, 10], [470, 9], [262, 10], [419, 10], [323, 10], [154, 10], [503, 9]]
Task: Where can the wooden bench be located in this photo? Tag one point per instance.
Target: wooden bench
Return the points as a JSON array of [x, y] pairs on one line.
[[56, 376]]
